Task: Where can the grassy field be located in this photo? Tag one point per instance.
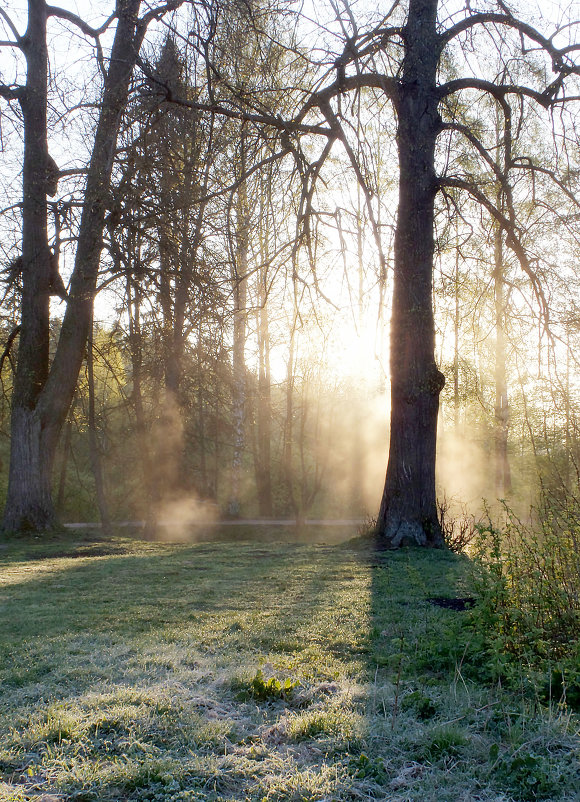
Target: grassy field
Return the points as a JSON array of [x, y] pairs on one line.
[[256, 671]]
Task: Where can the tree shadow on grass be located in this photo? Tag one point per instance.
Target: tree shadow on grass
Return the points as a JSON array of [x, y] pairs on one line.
[[110, 655], [243, 672]]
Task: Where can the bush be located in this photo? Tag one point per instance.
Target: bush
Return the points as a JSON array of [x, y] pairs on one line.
[[528, 610]]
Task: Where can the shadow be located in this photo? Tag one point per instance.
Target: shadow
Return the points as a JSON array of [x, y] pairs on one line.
[[419, 636], [178, 630]]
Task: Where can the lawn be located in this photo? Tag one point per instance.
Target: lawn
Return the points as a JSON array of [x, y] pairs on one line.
[[257, 671]]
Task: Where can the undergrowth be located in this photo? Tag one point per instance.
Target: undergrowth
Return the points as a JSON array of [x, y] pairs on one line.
[[526, 623]]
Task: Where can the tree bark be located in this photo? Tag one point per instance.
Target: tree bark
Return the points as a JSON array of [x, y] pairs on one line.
[[408, 512], [29, 505]]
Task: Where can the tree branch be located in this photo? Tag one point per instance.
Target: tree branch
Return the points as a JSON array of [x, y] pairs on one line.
[[156, 13], [293, 126], [94, 33], [479, 146], [12, 27], [509, 21], [6, 353], [319, 99], [513, 240], [11, 93], [498, 91]]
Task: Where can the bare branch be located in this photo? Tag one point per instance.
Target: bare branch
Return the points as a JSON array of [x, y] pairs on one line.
[[292, 126], [508, 21], [339, 133], [479, 146], [498, 91], [62, 13], [10, 92], [6, 353], [12, 27], [513, 240], [373, 80], [526, 163], [157, 13]]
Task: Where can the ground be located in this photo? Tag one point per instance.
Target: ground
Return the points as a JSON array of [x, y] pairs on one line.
[[258, 671]]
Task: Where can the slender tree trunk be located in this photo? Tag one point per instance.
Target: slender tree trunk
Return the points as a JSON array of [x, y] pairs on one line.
[[358, 462], [239, 347], [502, 465], [66, 446], [262, 450], [264, 457], [456, 347], [201, 415], [96, 461], [408, 512], [568, 434], [150, 496], [288, 435]]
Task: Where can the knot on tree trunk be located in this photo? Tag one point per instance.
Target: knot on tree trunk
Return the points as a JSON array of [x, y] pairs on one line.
[[435, 381], [429, 385]]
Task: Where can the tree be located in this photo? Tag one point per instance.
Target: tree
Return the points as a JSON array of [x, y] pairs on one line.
[[414, 81], [43, 390]]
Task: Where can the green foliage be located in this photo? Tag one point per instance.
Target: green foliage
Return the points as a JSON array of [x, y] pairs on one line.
[[362, 767], [563, 684], [525, 775], [420, 704], [264, 689], [528, 609]]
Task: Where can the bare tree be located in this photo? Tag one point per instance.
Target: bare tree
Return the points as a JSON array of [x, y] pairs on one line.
[[43, 389], [411, 46]]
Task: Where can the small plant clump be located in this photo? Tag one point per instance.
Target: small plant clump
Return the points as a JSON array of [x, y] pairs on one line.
[[362, 767], [420, 704], [525, 775], [264, 689]]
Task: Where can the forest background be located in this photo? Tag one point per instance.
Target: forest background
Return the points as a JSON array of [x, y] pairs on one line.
[[237, 362]]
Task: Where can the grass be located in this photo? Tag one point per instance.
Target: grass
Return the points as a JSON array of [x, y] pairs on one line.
[[255, 671]]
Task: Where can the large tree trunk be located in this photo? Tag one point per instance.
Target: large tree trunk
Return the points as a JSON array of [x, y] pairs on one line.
[[41, 399], [408, 512], [29, 504]]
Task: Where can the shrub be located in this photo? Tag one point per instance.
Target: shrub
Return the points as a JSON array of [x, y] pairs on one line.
[[528, 611]]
